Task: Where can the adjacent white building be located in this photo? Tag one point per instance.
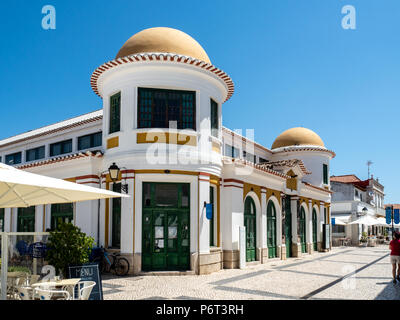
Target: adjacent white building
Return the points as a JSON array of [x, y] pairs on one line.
[[353, 198], [192, 182]]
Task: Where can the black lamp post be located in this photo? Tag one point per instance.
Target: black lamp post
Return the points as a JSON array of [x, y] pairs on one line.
[[114, 172]]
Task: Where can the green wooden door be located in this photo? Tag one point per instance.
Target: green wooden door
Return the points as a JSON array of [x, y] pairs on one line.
[[250, 224], [271, 230], [116, 218], [288, 227], [302, 229], [314, 224], [166, 225]]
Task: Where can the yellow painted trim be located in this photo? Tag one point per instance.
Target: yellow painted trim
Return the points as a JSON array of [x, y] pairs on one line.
[[316, 202], [306, 200], [275, 193], [166, 137], [113, 142], [192, 173], [291, 183], [71, 179], [247, 187], [216, 147], [215, 180]]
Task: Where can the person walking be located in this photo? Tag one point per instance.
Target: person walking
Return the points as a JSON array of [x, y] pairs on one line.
[[394, 247]]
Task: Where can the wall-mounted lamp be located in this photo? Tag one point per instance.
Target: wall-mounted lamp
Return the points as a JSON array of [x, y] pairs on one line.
[[114, 172]]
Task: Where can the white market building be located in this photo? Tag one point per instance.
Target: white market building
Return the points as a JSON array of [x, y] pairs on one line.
[[281, 195]]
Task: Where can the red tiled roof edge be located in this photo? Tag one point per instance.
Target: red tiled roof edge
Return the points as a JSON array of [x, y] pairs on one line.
[[73, 125], [170, 57], [98, 154]]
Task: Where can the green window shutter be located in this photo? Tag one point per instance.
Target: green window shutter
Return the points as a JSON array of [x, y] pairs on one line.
[[325, 173], [214, 118], [115, 112]]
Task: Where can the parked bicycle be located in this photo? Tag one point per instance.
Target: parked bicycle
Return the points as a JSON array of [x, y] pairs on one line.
[[112, 261]]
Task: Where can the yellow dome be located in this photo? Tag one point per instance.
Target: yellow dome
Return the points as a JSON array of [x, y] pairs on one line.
[[163, 39], [298, 137]]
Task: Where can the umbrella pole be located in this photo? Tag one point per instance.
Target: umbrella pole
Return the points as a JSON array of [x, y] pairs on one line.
[[4, 265]]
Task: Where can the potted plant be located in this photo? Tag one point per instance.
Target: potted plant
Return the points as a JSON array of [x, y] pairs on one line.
[[68, 245], [364, 239]]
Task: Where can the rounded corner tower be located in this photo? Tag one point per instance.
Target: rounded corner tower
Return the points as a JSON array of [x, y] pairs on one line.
[[162, 97], [305, 145]]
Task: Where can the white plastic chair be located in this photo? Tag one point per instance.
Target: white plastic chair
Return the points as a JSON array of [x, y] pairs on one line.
[[85, 289], [25, 293], [45, 294]]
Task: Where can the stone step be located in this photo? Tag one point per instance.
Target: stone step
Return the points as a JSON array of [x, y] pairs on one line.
[[167, 273]]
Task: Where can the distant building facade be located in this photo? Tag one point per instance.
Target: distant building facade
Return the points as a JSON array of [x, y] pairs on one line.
[[352, 198]]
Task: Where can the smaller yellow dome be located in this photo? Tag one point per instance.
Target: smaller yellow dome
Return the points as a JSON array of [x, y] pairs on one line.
[[298, 137]]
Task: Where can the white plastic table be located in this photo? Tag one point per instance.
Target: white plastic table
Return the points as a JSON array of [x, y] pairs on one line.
[[68, 284]]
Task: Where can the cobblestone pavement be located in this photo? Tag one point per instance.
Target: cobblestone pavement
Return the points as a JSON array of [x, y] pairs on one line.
[[343, 273]]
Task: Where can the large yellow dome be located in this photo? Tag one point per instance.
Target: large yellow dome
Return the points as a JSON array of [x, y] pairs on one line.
[[298, 137], [166, 40]]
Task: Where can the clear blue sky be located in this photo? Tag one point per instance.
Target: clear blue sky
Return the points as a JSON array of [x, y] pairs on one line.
[[292, 63]]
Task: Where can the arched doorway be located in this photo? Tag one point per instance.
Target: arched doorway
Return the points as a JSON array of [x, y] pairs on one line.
[[250, 224], [271, 230], [314, 229], [301, 220]]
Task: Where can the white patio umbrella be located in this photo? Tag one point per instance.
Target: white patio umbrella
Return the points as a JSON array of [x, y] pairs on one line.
[[24, 189], [366, 220], [19, 188], [338, 221], [382, 222]]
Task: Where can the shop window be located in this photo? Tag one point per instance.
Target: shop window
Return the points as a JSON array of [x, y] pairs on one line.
[[157, 107]]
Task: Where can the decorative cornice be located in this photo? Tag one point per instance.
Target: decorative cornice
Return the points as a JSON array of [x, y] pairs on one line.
[[297, 149], [162, 57]]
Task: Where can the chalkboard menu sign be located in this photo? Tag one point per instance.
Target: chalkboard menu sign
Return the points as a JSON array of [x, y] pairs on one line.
[[88, 272], [326, 236]]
